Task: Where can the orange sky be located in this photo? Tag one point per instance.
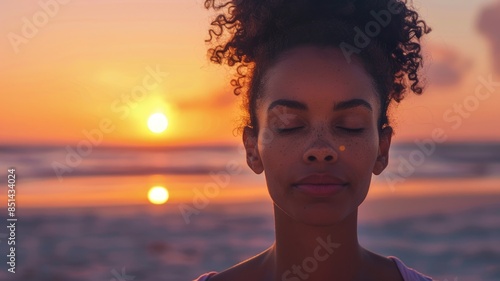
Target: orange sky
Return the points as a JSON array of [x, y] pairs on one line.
[[82, 66]]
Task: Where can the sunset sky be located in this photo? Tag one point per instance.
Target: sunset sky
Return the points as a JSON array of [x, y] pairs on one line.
[[67, 69]]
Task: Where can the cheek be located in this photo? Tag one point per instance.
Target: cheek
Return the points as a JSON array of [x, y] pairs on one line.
[[279, 156], [361, 151], [274, 154]]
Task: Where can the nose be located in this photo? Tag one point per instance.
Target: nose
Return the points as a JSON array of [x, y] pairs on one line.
[[323, 153]]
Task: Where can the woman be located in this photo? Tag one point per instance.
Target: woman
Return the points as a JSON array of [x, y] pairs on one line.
[[318, 78]]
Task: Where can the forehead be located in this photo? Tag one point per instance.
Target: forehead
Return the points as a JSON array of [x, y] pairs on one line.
[[319, 77]]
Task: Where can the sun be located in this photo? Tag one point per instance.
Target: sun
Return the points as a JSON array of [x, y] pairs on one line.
[[158, 195], [157, 123]]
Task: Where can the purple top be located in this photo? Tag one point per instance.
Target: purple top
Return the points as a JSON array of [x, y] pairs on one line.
[[408, 273], [205, 276]]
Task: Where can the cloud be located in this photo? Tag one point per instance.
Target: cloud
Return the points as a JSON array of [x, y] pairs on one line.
[[219, 99], [488, 24], [445, 67]]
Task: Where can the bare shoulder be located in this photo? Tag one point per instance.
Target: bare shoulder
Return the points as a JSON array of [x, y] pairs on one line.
[[254, 268], [384, 268]]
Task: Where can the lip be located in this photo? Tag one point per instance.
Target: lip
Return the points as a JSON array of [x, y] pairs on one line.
[[320, 185]]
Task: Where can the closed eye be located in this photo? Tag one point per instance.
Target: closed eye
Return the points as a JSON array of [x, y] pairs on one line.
[[288, 130], [351, 130]]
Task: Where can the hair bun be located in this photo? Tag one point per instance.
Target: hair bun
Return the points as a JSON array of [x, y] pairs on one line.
[[248, 25]]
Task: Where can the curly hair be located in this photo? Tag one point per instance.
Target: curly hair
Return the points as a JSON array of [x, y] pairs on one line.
[[257, 32]]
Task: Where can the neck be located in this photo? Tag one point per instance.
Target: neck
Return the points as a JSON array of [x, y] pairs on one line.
[[307, 252]]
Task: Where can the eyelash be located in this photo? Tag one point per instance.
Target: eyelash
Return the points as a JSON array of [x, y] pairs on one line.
[[352, 131], [287, 130]]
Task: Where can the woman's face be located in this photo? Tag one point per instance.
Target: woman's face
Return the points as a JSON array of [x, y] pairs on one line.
[[318, 115]]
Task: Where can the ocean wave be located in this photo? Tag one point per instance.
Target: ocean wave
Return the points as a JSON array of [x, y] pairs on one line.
[[450, 160]]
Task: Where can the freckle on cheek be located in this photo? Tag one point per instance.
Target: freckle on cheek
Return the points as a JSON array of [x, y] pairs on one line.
[[342, 148]]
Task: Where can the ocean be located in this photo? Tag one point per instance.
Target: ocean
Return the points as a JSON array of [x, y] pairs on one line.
[[86, 216]]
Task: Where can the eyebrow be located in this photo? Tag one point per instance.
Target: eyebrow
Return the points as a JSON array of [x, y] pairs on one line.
[[288, 103], [352, 103], [343, 105]]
